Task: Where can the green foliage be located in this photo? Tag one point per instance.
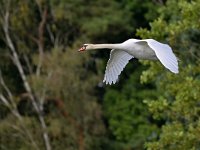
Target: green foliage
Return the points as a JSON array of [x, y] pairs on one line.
[[92, 20], [179, 106], [128, 117]]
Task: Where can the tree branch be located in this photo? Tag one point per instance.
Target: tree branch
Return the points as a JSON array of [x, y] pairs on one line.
[[7, 90], [4, 100], [28, 64], [12, 106], [23, 76], [41, 40]]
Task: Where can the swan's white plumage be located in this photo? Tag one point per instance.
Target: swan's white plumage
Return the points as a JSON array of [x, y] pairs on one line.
[[164, 54], [116, 63], [147, 49]]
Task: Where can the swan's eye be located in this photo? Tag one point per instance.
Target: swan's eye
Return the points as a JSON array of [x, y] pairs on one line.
[[85, 45]]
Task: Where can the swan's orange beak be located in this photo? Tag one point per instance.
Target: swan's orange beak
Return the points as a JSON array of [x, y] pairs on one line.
[[82, 48]]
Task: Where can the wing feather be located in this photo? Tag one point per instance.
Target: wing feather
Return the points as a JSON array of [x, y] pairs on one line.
[[116, 63], [164, 54]]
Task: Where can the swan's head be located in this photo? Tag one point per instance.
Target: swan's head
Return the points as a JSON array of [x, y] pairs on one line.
[[86, 47]]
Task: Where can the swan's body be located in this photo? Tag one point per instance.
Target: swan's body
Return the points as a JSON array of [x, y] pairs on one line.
[[120, 55]]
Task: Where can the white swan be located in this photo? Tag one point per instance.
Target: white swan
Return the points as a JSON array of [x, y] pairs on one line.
[[120, 55]]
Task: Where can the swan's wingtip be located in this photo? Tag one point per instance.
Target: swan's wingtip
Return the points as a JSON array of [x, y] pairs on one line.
[[175, 71], [108, 82]]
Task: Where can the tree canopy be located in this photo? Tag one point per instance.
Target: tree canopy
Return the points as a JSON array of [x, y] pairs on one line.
[[52, 97]]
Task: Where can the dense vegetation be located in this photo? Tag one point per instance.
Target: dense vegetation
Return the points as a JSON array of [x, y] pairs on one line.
[[52, 97]]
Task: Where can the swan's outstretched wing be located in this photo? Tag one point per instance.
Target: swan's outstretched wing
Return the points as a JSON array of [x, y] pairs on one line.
[[116, 63], [164, 54]]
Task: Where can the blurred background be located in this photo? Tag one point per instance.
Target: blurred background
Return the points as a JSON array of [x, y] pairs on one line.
[[53, 98]]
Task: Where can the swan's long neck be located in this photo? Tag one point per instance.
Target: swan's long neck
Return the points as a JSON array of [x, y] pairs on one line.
[[105, 46]]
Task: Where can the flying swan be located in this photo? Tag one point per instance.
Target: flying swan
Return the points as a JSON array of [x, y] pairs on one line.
[[147, 49]]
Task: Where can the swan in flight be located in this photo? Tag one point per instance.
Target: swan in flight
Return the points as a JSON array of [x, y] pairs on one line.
[[147, 49]]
